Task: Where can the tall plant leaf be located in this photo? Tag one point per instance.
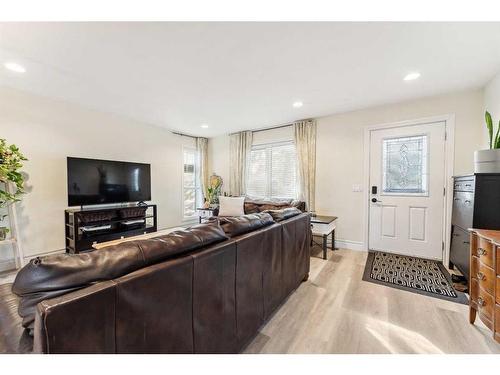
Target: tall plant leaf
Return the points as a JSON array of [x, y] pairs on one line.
[[489, 125], [497, 137]]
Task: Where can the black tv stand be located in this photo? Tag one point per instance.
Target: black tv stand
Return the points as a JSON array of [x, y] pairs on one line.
[[86, 227]]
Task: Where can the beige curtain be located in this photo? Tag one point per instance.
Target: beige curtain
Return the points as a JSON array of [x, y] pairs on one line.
[[305, 144], [239, 148], [202, 150]]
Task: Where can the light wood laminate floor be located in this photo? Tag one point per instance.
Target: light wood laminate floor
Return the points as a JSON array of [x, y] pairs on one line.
[[336, 312]]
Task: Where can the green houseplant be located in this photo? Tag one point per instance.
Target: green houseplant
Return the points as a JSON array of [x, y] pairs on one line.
[[494, 142], [488, 161], [10, 176]]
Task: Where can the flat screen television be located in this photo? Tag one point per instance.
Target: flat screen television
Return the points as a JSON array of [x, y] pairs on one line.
[[92, 181]]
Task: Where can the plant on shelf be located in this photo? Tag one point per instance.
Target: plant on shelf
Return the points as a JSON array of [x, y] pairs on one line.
[[10, 174], [494, 142]]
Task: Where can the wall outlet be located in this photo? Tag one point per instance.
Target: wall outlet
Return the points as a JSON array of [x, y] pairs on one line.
[[357, 188]]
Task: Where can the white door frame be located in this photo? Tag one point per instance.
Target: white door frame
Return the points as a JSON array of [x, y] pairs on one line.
[[449, 154]]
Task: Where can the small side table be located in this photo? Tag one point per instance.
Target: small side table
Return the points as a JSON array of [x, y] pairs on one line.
[[324, 226], [206, 213]]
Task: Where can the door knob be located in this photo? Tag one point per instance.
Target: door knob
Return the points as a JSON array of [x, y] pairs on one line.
[[375, 200]]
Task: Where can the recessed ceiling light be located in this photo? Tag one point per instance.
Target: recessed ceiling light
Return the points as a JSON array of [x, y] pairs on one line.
[[15, 67], [204, 126], [411, 76], [298, 104]]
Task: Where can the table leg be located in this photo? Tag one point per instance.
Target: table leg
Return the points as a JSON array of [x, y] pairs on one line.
[[324, 245], [333, 240]]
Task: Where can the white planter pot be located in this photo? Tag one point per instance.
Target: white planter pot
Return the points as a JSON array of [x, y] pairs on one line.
[[487, 161]]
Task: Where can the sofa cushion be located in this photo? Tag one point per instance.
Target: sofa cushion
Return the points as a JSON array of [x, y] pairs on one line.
[[234, 226], [55, 275], [181, 241], [254, 205], [251, 208], [286, 213]]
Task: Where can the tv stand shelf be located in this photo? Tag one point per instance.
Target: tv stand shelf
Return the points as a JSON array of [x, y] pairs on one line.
[[87, 227]]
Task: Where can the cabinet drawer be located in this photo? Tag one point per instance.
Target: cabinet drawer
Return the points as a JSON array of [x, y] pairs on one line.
[[485, 251], [486, 278], [486, 304], [463, 208], [464, 184], [498, 258]]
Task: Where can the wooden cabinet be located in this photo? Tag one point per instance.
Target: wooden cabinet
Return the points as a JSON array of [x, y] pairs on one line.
[[484, 282]]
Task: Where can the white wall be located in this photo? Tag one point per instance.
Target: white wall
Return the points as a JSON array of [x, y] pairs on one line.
[[218, 159], [47, 131], [340, 151], [492, 103]]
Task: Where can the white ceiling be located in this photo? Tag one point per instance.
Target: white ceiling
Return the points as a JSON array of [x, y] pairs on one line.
[[236, 76]]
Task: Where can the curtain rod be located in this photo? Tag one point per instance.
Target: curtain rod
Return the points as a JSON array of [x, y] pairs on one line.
[[264, 129], [274, 127], [186, 135]]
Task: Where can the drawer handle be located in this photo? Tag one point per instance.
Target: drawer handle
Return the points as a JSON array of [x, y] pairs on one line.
[[467, 201], [481, 302], [467, 242], [456, 199], [480, 276], [481, 251]]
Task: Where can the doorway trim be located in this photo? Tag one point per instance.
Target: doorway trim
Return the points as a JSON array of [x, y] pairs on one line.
[[449, 155]]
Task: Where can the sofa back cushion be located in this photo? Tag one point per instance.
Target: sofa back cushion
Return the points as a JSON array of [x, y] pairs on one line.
[[178, 242], [286, 213], [234, 226], [254, 205]]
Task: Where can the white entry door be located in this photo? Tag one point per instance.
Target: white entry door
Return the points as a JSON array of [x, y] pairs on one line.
[[407, 166]]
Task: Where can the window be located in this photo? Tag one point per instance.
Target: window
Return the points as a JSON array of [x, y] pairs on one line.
[[191, 184], [272, 172], [405, 165]]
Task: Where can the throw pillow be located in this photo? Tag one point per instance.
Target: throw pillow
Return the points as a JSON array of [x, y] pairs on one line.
[[231, 206]]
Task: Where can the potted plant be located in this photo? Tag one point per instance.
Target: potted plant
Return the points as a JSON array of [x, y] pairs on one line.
[[214, 190], [10, 176], [488, 161]]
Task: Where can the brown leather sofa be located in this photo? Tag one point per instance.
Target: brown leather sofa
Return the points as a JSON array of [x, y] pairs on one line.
[[203, 290]]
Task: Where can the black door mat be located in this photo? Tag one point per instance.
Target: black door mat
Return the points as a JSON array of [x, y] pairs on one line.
[[417, 275]]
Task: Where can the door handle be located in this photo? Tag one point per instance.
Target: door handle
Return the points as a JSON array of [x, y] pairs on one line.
[[375, 200]]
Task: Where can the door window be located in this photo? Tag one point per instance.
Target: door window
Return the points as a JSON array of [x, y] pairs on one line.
[[404, 165]]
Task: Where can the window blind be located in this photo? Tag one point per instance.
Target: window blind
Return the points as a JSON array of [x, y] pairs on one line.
[[272, 171]]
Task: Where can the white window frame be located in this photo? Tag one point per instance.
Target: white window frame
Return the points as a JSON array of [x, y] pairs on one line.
[[197, 185], [269, 168]]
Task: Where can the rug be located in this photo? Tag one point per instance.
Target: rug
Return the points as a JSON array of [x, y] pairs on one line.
[[417, 275]]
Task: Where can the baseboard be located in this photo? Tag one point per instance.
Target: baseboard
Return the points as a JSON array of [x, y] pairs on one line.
[[350, 245], [343, 244], [28, 258]]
